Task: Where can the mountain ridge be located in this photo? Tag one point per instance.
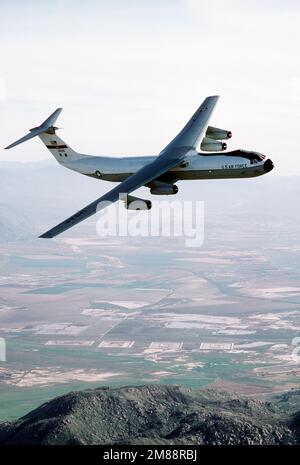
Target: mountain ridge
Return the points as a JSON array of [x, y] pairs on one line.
[[154, 414]]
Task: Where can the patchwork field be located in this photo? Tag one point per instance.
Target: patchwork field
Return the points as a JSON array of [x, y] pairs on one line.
[[78, 313]]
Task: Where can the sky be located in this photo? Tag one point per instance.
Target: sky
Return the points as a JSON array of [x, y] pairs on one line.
[[130, 73]]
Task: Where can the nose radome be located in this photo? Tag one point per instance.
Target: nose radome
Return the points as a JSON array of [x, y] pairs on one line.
[[268, 165]]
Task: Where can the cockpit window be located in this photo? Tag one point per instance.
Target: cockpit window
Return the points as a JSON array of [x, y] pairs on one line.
[[254, 157]]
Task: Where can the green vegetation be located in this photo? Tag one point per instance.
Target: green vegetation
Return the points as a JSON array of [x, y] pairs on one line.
[[153, 414]]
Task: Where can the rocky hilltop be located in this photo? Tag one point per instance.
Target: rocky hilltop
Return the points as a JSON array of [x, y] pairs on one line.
[[156, 414]]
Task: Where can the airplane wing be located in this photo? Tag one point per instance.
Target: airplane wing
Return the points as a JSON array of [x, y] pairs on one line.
[[192, 132], [172, 155]]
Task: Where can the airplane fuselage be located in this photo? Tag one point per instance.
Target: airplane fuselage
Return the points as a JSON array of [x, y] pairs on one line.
[[235, 164]]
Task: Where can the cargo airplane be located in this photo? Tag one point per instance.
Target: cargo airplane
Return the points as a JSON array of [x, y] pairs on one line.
[[197, 152]]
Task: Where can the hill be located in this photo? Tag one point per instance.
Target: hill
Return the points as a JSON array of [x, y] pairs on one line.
[[154, 414]]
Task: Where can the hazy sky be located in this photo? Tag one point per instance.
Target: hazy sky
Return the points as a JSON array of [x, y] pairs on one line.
[[130, 73]]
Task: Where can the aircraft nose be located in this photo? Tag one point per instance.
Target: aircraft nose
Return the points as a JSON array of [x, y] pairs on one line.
[[268, 165]]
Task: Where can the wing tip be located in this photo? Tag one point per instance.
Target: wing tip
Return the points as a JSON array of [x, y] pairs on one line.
[[46, 235]]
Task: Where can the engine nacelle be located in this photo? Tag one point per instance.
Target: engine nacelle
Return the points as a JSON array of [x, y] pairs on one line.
[[217, 133], [162, 188], [134, 203], [211, 145]]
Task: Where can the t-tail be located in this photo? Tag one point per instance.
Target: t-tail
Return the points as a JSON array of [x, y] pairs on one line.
[[47, 125], [47, 133]]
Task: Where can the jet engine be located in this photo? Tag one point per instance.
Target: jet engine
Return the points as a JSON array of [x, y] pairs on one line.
[[162, 188], [134, 203], [217, 133], [211, 145]]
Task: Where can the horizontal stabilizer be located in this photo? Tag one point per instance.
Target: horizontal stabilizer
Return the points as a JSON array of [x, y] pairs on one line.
[[45, 126]]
